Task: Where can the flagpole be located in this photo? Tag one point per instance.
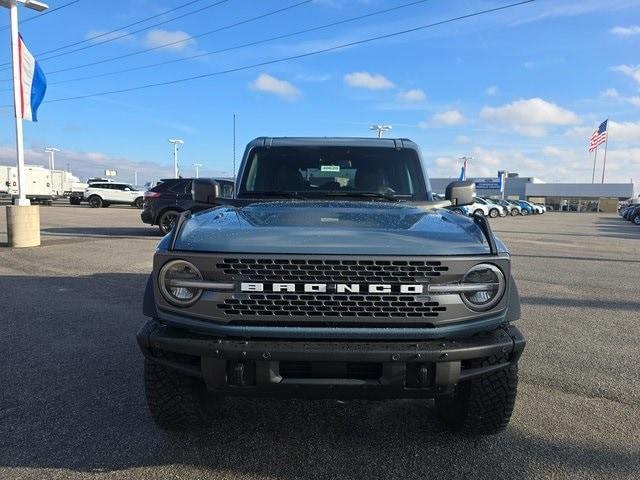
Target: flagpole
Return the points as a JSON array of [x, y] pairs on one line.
[[17, 98], [593, 175], [606, 143]]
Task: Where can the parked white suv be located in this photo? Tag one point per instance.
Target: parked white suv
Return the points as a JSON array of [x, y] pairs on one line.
[[103, 194]]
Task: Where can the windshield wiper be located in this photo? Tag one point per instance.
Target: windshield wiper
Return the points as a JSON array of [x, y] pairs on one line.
[[385, 196], [273, 194]]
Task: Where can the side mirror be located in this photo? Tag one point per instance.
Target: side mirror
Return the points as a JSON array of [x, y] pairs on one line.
[[205, 190], [461, 193]]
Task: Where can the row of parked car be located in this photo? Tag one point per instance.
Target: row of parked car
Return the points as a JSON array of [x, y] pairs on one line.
[[631, 212], [501, 208]]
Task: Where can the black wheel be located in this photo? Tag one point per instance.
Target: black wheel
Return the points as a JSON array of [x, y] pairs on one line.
[[139, 202], [514, 212], [177, 402], [74, 201], [479, 212], [525, 211], [636, 219], [106, 205], [493, 213], [95, 202], [483, 405], [167, 220]]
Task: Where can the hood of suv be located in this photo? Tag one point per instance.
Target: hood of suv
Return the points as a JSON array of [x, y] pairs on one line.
[[332, 228]]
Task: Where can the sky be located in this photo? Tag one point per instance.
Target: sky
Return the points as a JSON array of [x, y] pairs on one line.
[[519, 89]]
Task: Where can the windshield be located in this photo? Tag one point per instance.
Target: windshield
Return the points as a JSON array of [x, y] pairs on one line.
[[312, 172]]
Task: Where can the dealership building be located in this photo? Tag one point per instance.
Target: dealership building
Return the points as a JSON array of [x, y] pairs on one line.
[[577, 197]]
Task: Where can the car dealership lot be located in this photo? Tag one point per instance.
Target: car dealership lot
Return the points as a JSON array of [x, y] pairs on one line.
[[72, 403]]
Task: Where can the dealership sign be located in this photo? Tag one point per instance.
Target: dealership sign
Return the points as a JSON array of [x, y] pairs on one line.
[[488, 183]]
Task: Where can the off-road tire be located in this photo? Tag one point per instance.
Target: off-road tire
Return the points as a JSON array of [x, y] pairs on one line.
[[177, 402], [482, 406], [479, 212], [95, 201], [493, 213]]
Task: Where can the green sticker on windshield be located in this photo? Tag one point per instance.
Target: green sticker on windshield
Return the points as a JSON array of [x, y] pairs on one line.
[[330, 168]]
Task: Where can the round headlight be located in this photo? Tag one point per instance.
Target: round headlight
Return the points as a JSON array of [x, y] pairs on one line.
[[175, 281], [491, 285]]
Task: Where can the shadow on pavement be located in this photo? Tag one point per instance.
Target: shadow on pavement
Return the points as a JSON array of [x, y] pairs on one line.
[[72, 399], [101, 232]]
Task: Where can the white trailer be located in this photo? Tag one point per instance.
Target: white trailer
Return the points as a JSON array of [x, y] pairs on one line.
[[62, 183], [38, 183], [4, 179]]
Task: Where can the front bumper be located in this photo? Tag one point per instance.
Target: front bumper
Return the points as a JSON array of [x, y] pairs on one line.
[[342, 369]]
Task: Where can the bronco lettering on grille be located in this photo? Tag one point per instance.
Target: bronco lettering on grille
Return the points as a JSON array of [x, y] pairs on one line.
[[415, 289]]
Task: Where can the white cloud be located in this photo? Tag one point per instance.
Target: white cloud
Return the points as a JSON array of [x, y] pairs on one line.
[[626, 31], [281, 88], [414, 95], [447, 118], [632, 71], [609, 93], [635, 101], [173, 41], [529, 116], [368, 80], [492, 90]]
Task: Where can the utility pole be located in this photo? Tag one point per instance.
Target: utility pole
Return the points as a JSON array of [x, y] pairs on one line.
[[176, 142], [52, 157], [197, 166], [380, 129]]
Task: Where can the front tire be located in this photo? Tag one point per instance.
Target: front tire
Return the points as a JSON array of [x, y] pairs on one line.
[[525, 212], [479, 212], [636, 219], [514, 212], [177, 402], [482, 406], [95, 202], [493, 213]]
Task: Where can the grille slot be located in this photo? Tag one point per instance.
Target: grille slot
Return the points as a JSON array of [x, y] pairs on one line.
[[337, 271], [326, 305]]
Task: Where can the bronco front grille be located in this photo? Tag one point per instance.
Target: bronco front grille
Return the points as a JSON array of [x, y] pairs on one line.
[[313, 305], [338, 271]]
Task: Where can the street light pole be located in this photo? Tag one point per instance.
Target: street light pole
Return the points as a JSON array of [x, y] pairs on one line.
[[197, 166], [380, 129], [176, 142], [52, 156]]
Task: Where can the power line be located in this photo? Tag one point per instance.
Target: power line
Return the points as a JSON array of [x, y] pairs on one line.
[[110, 32], [112, 38], [48, 12], [295, 57], [236, 47], [192, 37]]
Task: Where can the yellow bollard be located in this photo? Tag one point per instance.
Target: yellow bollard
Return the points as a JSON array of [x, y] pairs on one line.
[[23, 226]]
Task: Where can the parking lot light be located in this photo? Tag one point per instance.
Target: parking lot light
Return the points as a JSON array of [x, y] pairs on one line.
[[176, 143]]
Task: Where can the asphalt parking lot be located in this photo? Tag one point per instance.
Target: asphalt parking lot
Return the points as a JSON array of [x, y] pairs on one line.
[[72, 403]]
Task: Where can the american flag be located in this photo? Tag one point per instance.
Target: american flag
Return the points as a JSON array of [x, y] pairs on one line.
[[599, 136]]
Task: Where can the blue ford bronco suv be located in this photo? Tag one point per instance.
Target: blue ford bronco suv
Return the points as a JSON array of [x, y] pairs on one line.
[[333, 272]]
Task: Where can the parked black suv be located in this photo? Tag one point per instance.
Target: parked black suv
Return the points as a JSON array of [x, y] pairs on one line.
[[172, 196]]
